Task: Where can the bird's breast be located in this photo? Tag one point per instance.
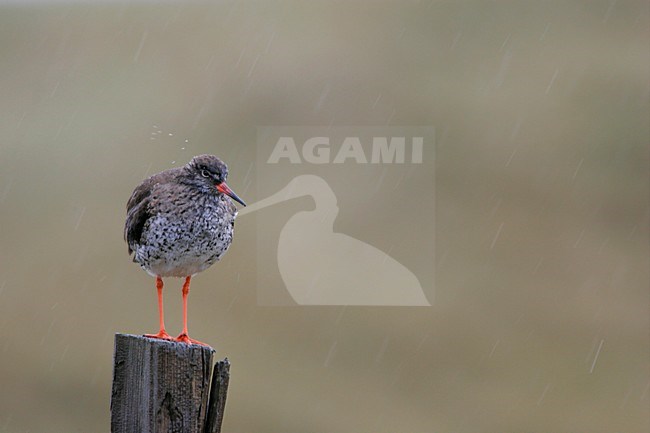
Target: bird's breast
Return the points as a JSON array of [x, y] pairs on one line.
[[185, 240]]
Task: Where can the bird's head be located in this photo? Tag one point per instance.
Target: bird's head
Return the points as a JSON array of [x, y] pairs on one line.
[[212, 172]]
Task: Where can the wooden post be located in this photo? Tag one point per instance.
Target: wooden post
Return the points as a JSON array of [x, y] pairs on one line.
[[162, 386], [218, 391]]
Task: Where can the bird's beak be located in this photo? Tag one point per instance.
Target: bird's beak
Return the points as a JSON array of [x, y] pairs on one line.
[[225, 189]]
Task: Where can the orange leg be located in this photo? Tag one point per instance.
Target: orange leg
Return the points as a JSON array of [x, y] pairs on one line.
[[162, 334], [184, 337]]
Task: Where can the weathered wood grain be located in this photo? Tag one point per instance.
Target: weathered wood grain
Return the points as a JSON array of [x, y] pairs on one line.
[[159, 386], [218, 392]]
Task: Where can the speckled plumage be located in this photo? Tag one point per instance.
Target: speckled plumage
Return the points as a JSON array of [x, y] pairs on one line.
[[178, 223]]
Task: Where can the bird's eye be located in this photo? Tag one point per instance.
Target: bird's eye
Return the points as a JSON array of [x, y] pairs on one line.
[[205, 173]]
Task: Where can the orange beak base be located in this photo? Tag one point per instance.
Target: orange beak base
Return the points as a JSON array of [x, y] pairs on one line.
[[225, 189]]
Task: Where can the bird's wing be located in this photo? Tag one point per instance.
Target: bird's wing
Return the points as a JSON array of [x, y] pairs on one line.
[[140, 193], [135, 221], [137, 213], [137, 209]]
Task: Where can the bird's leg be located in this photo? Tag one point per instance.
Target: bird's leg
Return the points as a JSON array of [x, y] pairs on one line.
[[162, 334], [184, 337]]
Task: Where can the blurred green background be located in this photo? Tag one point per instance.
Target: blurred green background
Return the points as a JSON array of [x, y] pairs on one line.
[[542, 118]]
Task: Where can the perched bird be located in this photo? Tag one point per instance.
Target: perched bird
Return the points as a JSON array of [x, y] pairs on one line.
[[180, 222]]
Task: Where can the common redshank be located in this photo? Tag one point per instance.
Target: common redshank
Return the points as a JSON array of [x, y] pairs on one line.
[[180, 222]]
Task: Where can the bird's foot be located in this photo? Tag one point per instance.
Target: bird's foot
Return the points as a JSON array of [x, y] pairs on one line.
[[184, 338], [161, 335]]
